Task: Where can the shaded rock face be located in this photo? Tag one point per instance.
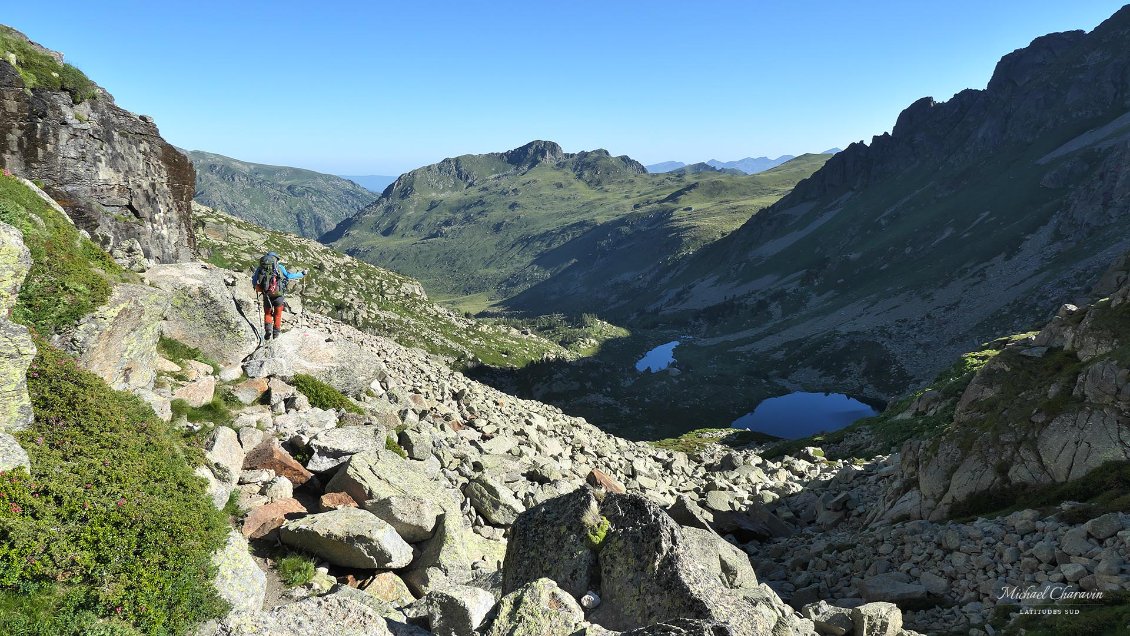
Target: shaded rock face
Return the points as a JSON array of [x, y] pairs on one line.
[[109, 168], [1047, 409], [646, 570], [16, 347], [549, 541]]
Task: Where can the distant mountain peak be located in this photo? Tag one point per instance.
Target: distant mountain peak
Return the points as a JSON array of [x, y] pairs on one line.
[[665, 166], [534, 153]]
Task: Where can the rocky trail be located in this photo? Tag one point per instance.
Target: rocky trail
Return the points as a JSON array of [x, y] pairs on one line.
[[444, 506]]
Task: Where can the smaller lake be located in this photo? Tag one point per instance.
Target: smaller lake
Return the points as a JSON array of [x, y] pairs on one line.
[[799, 415], [658, 358]]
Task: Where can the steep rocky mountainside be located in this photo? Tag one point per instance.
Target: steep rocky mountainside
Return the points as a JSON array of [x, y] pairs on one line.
[[971, 218], [293, 200], [1048, 407], [368, 297], [490, 226], [109, 168]]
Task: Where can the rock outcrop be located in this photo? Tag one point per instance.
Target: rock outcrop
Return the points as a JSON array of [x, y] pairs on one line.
[[211, 309], [1048, 408], [118, 342], [641, 564], [109, 168], [16, 347], [239, 580]]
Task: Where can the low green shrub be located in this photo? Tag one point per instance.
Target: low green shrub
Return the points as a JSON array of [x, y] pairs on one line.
[[49, 610], [295, 570], [217, 412], [111, 523], [323, 395]]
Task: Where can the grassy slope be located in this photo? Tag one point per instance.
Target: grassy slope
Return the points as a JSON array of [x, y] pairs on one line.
[[40, 70], [301, 202], [510, 229], [368, 297], [131, 531]]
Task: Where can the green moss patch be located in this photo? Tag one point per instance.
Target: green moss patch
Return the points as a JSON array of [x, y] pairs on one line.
[[596, 534], [323, 395], [70, 276], [111, 522], [215, 412]]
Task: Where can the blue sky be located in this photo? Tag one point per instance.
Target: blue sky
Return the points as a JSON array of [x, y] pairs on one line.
[[383, 87]]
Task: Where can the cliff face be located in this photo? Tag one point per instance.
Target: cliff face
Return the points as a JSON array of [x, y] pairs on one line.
[[109, 168]]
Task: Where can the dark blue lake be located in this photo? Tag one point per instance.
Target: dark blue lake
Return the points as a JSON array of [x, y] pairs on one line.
[[658, 358], [802, 414]]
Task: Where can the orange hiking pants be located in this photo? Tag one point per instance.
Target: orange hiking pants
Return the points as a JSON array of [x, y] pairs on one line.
[[272, 312]]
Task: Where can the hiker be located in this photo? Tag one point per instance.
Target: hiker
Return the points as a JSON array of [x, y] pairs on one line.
[[271, 278]]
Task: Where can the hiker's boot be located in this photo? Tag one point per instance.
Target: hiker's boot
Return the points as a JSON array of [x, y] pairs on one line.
[[277, 333], [267, 333]]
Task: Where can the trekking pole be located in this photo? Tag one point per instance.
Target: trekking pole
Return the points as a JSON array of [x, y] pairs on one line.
[[258, 306]]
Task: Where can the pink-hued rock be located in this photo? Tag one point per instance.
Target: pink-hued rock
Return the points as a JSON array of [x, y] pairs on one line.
[[263, 520], [335, 500], [269, 455]]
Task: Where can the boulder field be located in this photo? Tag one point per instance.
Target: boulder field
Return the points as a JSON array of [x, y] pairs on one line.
[[434, 504]]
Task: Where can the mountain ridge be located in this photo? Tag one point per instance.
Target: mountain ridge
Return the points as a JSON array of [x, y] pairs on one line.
[[154, 451], [835, 245], [749, 165], [296, 200], [479, 225]]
